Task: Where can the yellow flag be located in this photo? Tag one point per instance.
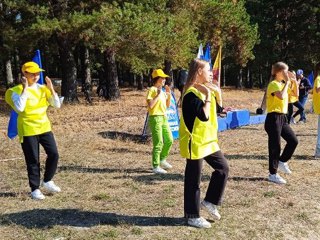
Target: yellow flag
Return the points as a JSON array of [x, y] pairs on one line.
[[217, 68]]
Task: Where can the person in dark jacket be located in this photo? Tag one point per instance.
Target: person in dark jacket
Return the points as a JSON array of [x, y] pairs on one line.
[[304, 88]]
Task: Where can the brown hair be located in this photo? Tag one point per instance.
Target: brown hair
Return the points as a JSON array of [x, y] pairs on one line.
[[195, 64], [277, 67]]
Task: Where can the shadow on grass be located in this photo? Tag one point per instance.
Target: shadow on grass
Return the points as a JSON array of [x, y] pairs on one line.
[[48, 218], [250, 128], [82, 169], [246, 157], [8, 194], [304, 157], [153, 178], [306, 135], [253, 179], [124, 136]]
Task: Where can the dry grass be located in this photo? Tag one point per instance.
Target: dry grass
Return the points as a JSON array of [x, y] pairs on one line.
[[109, 191]]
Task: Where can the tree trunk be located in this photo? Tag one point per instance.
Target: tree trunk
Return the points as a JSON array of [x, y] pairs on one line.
[[113, 92], [69, 70], [224, 76], [133, 80], [140, 81], [9, 76], [249, 78], [168, 71], [239, 80], [86, 73], [16, 67]]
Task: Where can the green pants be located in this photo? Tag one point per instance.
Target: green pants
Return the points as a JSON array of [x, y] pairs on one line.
[[161, 137]]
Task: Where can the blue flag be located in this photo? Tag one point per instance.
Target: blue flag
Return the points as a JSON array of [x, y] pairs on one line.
[[37, 59], [13, 120], [207, 53], [311, 78], [173, 117]]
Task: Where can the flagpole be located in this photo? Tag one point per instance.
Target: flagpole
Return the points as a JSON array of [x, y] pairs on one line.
[[219, 78]]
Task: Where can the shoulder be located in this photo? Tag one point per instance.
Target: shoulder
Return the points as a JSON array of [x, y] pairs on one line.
[[16, 89], [152, 89]]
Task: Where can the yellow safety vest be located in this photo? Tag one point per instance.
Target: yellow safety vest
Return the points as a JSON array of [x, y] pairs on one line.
[[33, 120], [203, 140]]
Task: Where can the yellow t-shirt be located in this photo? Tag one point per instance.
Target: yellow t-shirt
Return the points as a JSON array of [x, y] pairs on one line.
[[160, 107], [292, 98], [275, 104], [316, 96]]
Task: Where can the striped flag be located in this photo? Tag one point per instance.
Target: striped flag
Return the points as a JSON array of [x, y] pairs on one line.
[[13, 120], [200, 52], [217, 68]]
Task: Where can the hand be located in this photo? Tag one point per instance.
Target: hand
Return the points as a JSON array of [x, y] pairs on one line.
[[168, 90], [158, 91], [202, 88], [285, 76], [212, 86], [24, 82], [49, 83], [292, 76]]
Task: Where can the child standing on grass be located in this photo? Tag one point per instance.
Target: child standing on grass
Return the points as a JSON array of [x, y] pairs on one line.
[[198, 136], [316, 105], [276, 124], [294, 101], [158, 101], [31, 100]]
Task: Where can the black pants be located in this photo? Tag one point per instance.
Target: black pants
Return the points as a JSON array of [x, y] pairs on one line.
[[276, 126], [300, 110], [31, 150], [192, 183]]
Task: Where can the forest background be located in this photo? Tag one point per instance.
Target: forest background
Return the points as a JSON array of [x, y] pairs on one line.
[[117, 43]]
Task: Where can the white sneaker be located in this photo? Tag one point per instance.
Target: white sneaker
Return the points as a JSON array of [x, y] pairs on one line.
[[37, 195], [165, 165], [199, 222], [276, 179], [51, 187], [159, 170], [284, 167], [212, 209]]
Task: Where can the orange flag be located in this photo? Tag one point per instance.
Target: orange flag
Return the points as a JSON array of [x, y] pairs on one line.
[[217, 68]]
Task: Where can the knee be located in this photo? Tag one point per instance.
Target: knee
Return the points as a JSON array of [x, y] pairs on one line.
[[295, 142], [54, 155], [158, 146], [225, 169], [169, 141]]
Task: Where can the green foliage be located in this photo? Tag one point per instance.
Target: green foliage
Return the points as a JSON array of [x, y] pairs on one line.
[[228, 23]]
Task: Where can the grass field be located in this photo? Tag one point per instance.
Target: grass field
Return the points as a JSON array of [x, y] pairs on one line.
[[110, 192]]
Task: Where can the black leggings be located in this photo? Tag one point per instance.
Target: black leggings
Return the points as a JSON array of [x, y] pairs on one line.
[[31, 150], [290, 110], [276, 126], [216, 186]]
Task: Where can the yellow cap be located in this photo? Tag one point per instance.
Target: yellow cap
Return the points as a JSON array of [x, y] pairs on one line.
[[31, 67], [158, 73]]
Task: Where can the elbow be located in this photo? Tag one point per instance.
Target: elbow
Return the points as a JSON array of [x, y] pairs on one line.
[[20, 108]]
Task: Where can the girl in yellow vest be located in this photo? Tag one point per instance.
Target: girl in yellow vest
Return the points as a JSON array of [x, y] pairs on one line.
[[158, 101], [294, 101], [198, 140], [31, 100], [276, 124], [316, 105]]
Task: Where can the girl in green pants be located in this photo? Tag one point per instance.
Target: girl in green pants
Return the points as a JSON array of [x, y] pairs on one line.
[[158, 101]]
